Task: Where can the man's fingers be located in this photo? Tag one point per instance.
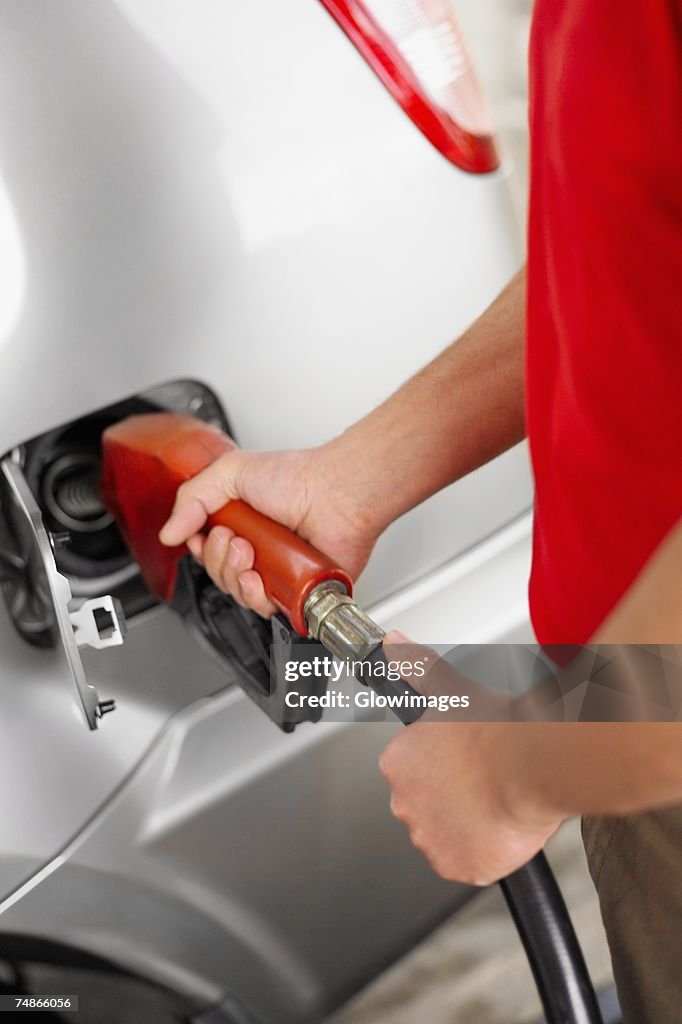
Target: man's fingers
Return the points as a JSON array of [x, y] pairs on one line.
[[187, 518], [240, 558], [421, 666], [195, 546], [228, 560], [405, 652], [197, 499], [214, 553], [253, 594], [433, 676]]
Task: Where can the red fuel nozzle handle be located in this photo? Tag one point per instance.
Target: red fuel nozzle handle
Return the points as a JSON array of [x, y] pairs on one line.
[[289, 566], [144, 461]]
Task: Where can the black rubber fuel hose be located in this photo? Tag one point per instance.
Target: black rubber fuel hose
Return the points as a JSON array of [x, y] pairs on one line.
[[554, 954], [532, 894]]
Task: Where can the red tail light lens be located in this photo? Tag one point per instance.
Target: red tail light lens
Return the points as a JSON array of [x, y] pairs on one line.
[[417, 50]]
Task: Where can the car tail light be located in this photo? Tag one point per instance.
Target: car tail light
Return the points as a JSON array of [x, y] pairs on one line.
[[417, 50]]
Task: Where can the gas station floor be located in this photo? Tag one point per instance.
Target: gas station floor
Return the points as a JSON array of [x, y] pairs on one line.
[[472, 970]]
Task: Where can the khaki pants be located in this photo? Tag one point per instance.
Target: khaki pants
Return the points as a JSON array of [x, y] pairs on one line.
[[636, 865]]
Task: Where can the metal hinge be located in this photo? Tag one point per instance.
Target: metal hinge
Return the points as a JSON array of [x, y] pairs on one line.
[[97, 622]]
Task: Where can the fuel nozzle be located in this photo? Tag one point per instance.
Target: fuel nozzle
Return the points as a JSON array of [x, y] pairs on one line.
[[336, 621], [339, 624], [144, 461]]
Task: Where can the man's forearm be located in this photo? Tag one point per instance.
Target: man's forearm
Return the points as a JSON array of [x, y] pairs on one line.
[[459, 412], [559, 770], [562, 769]]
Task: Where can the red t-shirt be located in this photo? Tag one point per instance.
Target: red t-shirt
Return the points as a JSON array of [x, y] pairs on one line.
[[604, 334]]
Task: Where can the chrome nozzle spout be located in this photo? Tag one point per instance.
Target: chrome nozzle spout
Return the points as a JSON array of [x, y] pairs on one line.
[[339, 624]]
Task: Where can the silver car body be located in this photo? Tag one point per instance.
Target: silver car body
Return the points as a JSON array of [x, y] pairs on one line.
[[226, 193]]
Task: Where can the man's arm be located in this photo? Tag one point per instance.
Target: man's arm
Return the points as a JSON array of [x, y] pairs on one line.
[[461, 410], [606, 768], [480, 799]]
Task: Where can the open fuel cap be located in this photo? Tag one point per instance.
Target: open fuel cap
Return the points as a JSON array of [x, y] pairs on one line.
[[97, 622]]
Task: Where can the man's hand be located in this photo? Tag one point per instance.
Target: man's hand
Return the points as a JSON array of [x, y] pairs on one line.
[[472, 824], [310, 491], [342, 495], [454, 808]]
